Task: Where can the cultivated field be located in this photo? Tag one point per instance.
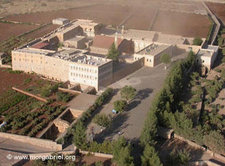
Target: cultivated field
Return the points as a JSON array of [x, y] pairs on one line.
[[190, 25], [7, 80], [25, 115], [218, 9], [8, 30], [179, 23]]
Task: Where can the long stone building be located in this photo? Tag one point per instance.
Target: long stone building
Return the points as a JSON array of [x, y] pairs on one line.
[[71, 65]]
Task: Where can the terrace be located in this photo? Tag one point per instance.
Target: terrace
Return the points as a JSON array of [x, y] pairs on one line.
[[153, 49]]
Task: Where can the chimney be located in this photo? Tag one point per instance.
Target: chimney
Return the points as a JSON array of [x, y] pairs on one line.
[[116, 40], [122, 30]]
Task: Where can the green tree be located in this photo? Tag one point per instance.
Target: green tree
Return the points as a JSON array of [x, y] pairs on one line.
[[113, 53], [102, 120], [149, 131], [197, 41], [165, 58], [215, 141], [120, 105], [150, 157], [128, 93], [178, 158], [79, 138], [122, 153]]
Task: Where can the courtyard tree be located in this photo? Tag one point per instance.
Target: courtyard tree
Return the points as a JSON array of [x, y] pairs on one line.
[[180, 157], [165, 58], [128, 93], [120, 105], [79, 138], [113, 53], [215, 141], [122, 153], [102, 120], [197, 41], [150, 157]]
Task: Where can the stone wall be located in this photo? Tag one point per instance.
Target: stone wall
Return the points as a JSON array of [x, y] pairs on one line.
[[29, 94], [97, 154], [33, 141], [216, 155], [128, 69]]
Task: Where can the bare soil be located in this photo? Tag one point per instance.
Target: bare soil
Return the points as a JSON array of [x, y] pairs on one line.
[[184, 24], [9, 30], [189, 25], [218, 9], [8, 80]]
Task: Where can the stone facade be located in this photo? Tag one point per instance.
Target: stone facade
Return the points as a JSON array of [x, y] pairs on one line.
[[152, 54], [84, 69]]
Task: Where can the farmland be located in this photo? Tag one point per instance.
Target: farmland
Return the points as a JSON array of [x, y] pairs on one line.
[[31, 115], [218, 9], [8, 30], [25, 115], [185, 24]]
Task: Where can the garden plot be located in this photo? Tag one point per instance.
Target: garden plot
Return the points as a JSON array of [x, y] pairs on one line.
[[26, 116]]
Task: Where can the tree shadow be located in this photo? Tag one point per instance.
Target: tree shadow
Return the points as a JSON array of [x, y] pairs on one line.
[[141, 95], [114, 129]]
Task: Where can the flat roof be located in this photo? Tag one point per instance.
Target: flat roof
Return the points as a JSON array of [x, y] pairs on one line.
[[153, 36], [205, 52], [90, 60], [35, 51], [61, 19], [80, 56], [153, 49], [82, 102], [77, 38]]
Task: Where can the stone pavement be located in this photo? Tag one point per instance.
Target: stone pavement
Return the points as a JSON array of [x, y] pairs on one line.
[[147, 81]]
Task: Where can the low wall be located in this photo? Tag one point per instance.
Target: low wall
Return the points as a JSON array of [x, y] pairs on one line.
[[6, 66], [97, 154], [33, 141], [210, 163], [69, 91], [29, 94], [186, 47], [188, 141], [128, 69], [216, 155]]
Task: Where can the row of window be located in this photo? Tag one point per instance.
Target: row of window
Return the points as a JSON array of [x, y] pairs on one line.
[[148, 60], [83, 76], [85, 69]]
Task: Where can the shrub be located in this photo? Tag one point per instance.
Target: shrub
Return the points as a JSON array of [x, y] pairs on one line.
[[197, 41], [62, 96], [120, 105], [102, 120]]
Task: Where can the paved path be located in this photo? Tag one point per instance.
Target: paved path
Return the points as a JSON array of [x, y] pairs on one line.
[[147, 81], [12, 151]]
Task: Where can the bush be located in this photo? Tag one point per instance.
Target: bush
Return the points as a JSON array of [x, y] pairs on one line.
[[49, 90], [102, 120], [61, 96], [120, 105], [197, 41]]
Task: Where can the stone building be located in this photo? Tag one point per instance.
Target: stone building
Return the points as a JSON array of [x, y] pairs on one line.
[[60, 21], [78, 42], [71, 65], [69, 32], [207, 56], [152, 54], [89, 27], [101, 44]]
